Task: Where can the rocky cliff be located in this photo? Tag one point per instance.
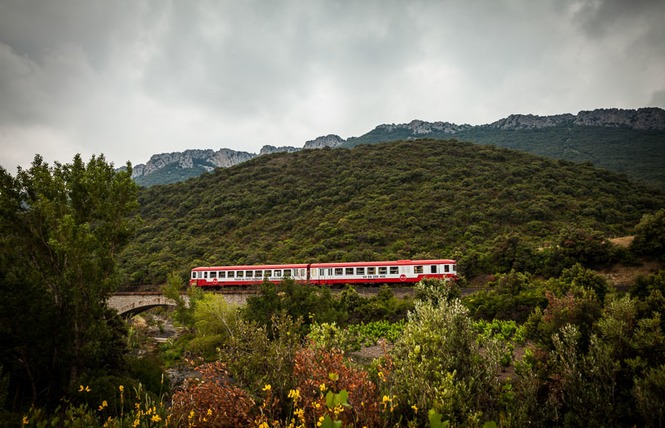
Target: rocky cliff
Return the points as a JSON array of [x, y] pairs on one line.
[[204, 159], [331, 141], [419, 127], [643, 118], [267, 150]]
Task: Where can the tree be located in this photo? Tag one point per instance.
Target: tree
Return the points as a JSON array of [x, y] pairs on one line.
[[650, 235], [62, 228]]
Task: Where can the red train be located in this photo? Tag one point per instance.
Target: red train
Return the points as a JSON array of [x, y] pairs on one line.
[[383, 272]]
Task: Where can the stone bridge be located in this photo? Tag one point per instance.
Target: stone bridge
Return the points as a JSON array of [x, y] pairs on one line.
[[129, 304]]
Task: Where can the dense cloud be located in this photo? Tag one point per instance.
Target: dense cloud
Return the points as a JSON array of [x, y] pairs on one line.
[[132, 78]]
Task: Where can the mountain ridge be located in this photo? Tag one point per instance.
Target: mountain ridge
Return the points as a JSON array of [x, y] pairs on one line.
[[176, 166]]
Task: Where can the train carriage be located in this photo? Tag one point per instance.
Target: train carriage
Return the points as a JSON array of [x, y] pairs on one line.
[[233, 276], [405, 272]]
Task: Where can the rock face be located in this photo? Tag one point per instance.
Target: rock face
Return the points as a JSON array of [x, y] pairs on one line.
[[267, 150], [331, 141], [423, 128], [644, 118], [207, 159], [529, 121]]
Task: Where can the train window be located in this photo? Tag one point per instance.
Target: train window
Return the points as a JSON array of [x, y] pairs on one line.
[[213, 275], [360, 271], [338, 271], [394, 270], [205, 275], [193, 275], [222, 274], [383, 270], [267, 273], [433, 269], [249, 273], [240, 274], [349, 271], [322, 272], [287, 272], [232, 274], [258, 273], [417, 269], [446, 268], [371, 271], [278, 273], [302, 272]]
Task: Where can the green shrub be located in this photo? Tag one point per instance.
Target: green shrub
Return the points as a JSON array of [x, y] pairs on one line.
[[439, 365], [650, 235]]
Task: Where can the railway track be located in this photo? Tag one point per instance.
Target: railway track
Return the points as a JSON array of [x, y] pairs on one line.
[[251, 290]]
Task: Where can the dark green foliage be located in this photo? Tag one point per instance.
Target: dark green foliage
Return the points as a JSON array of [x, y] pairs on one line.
[[581, 282], [356, 309], [513, 296], [147, 370], [300, 302], [650, 235], [587, 247], [644, 286], [61, 229], [491, 208], [613, 379], [639, 154]]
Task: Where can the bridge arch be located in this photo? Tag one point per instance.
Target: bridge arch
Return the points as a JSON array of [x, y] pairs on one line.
[[129, 305]]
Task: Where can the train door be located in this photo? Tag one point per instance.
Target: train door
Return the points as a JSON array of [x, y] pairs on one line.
[[325, 275]]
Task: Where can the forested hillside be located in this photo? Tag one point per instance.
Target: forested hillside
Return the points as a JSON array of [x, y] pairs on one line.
[[423, 198], [638, 153]]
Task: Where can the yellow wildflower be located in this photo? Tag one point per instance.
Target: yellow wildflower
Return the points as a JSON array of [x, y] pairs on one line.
[[136, 423], [209, 412], [268, 387], [294, 394], [121, 388], [415, 408], [155, 418], [26, 421], [84, 388], [264, 425], [322, 387], [385, 399], [103, 405]]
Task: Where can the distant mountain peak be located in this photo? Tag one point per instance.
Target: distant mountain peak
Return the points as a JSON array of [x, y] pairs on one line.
[[421, 127], [330, 140]]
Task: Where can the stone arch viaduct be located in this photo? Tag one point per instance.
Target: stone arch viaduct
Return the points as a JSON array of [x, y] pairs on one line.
[[129, 304]]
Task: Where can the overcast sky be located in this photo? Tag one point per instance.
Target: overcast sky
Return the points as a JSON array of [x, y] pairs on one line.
[[131, 78]]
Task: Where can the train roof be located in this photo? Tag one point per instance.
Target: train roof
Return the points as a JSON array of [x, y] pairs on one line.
[[251, 267], [386, 263]]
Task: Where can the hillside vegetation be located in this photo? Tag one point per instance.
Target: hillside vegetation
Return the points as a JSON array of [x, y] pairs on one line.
[[638, 153], [423, 198]]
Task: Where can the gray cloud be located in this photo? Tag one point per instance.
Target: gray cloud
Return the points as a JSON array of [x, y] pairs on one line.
[[136, 77]]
